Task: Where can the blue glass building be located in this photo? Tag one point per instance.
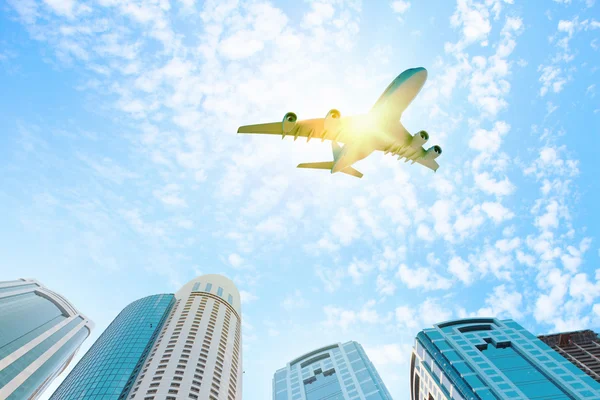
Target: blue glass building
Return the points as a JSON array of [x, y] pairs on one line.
[[40, 332], [486, 358], [336, 372], [108, 370]]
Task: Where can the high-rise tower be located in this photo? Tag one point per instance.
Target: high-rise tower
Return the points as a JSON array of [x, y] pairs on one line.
[[336, 372], [198, 354], [486, 358], [109, 368], [582, 348], [40, 332]]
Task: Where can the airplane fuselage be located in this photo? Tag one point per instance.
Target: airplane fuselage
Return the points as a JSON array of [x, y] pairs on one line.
[[383, 121]]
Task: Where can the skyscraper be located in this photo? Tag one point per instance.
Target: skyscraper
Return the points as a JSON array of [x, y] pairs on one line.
[[336, 372], [582, 348], [198, 354], [486, 358], [108, 370], [40, 332]]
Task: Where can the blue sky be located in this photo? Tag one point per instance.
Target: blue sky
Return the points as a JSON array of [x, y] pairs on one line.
[[122, 175]]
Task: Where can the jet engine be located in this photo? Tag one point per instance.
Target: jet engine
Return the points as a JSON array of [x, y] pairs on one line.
[[419, 139], [332, 121], [288, 123], [433, 152]]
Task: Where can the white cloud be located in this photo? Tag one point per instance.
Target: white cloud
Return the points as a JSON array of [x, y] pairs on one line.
[[489, 141], [247, 297], [400, 7], [331, 278], [358, 269], [461, 269], [294, 301], [503, 304], [551, 78], [389, 354], [344, 227], [490, 185], [170, 195], [474, 20], [385, 287], [425, 233], [235, 260], [497, 212], [338, 317], [422, 277]]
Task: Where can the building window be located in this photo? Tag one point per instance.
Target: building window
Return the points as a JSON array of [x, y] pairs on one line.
[[196, 287], [208, 287], [220, 292], [230, 299]]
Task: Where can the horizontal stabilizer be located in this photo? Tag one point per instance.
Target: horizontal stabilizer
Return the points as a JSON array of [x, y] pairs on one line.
[[352, 171], [317, 165]]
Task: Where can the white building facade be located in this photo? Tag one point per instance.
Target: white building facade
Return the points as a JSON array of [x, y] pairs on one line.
[[40, 332], [198, 354]]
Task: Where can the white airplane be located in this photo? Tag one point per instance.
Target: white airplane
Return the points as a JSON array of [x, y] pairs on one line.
[[380, 129]]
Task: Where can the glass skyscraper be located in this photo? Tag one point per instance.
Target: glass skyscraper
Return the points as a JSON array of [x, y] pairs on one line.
[[40, 332], [108, 370], [487, 358], [336, 372]]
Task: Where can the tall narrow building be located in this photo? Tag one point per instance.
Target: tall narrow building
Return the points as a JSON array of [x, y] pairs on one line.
[[40, 332], [109, 369], [198, 353], [487, 358], [582, 348], [335, 372]]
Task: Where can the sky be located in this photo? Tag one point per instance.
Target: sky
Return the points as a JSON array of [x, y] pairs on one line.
[[121, 174]]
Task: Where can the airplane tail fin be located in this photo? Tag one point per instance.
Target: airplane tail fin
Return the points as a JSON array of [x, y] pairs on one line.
[[317, 165]]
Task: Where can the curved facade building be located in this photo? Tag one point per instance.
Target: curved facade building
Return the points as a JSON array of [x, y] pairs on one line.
[[108, 370], [40, 332], [336, 372], [486, 358], [198, 354]]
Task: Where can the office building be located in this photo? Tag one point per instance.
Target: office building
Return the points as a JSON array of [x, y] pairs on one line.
[[40, 332], [198, 353], [582, 348], [109, 368], [487, 358], [336, 372]]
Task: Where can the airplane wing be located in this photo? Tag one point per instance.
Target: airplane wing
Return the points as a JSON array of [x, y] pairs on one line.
[[431, 164], [308, 128], [404, 148]]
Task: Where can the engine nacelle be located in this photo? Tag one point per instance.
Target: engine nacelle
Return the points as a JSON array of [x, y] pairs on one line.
[[332, 121], [433, 152], [419, 139], [288, 123]]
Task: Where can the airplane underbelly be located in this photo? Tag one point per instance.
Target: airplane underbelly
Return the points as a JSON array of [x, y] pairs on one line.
[[353, 153]]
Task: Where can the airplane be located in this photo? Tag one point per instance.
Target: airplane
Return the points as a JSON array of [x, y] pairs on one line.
[[380, 129]]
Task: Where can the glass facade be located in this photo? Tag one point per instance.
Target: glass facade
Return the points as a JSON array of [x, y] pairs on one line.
[[39, 334], [108, 370], [336, 372], [485, 358]]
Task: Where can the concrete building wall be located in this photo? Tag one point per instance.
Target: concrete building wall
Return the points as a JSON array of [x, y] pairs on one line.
[[198, 354]]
